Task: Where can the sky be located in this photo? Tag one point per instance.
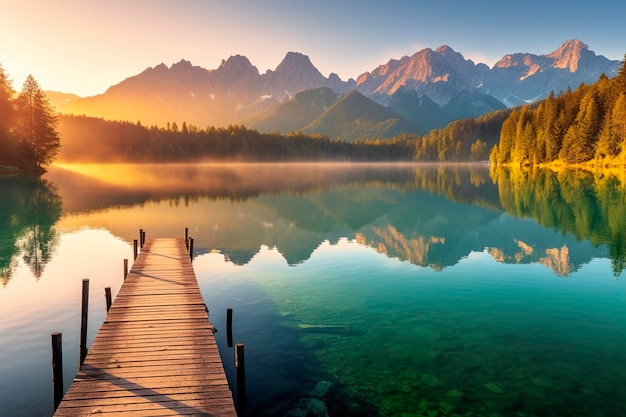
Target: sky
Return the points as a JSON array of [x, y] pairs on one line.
[[84, 46]]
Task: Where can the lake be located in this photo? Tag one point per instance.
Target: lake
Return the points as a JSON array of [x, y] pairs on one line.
[[378, 290]]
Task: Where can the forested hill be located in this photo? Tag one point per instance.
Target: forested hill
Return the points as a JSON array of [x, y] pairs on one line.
[[587, 124], [89, 139]]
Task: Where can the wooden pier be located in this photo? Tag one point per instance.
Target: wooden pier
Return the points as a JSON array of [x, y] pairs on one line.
[[155, 354]]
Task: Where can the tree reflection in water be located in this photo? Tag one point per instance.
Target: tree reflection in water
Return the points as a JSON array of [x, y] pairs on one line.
[[30, 208], [589, 206]]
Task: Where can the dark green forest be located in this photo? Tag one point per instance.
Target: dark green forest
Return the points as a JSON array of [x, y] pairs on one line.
[[93, 139], [587, 124], [97, 140]]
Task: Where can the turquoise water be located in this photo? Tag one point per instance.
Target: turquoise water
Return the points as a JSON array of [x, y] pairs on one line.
[[479, 338], [378, 291]]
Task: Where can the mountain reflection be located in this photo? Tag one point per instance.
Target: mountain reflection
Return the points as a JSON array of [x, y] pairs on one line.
[[30, 208], [588, 206], [429, 215]]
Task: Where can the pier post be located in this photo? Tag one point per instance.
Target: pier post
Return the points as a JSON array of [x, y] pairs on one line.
[[240, 364], [187, 237], [135, 250], [83, 322], [141, 238], [229, 327], [191, 248], [107, 296], [125, 268], [57, 368]]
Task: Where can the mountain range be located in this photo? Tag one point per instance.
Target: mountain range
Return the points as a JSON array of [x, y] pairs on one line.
[[412, 94]]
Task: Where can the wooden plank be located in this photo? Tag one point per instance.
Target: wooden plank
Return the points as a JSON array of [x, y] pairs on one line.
[[155, 353]]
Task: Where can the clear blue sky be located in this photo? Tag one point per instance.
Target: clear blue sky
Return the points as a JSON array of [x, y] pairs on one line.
[[83, 47]]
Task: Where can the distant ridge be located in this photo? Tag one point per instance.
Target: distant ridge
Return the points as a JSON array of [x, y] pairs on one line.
[[429, 88], [297, 112], [357, 117]]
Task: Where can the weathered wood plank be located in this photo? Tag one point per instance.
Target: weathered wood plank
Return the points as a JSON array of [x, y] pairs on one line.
[[158, 384], [155, 353]]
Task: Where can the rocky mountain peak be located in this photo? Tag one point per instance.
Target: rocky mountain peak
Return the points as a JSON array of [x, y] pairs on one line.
[[450, 54], [440, 85], [568, 56], [294, 74], [159, 68], [295, 61], [182, 65], [237, 64]]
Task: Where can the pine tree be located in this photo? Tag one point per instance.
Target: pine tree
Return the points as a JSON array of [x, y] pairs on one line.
[[580, 139], [618, 124], [548, 129], [36, 127], [6, 117], [524, 136], [620, 79], [508, 137]]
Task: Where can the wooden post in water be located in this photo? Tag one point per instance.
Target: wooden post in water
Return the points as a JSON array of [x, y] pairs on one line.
[[141, 238], [135, 250], [191, 248], [229, 327], [125, 268], [240, 364], [83, 322], [57, 368], [107, 296]]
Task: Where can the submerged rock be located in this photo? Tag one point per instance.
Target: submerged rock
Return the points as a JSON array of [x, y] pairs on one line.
[[326, 329], [495, 388], [320, 389], [454, 393], [308, 407]]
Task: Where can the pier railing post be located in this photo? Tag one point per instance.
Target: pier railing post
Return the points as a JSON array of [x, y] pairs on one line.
[[141, 238], [187, 238], [135, 250], [240, 364], [229, 327], [57, 368], [107, 296], [83, 322], [125, 268], [191, 248]]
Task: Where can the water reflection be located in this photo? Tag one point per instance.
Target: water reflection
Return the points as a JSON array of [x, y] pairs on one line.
[[429, 215], [590, 207], [481, 327], [30, 208]]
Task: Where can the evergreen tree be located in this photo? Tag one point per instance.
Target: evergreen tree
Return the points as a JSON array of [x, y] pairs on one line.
[[508, 137], [614, 130], [36, 126], [548, 129], [579, 142], [618, 121], [620, 79], [6, 117], [524, 136], [478, 151]]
